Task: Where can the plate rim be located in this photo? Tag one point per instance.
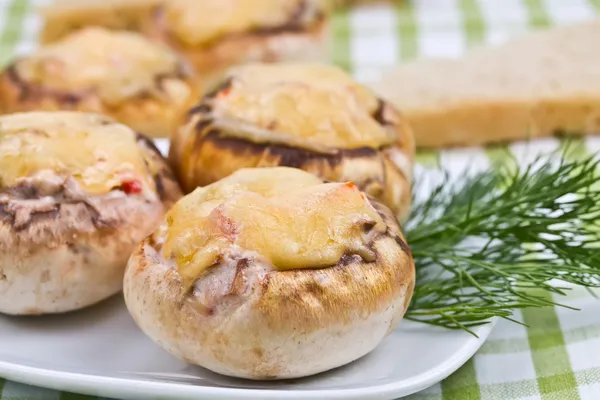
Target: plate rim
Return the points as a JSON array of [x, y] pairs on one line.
[[117, 387]]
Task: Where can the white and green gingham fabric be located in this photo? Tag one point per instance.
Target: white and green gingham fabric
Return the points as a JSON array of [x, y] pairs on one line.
[[557, 356]]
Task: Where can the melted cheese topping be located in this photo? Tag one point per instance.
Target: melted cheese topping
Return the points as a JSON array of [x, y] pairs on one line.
[[302, 105], [287, 216], [99, 156], [201, 22], [117, 65]]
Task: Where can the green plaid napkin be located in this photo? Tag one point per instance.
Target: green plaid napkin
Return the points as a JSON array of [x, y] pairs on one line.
[[557, 356]]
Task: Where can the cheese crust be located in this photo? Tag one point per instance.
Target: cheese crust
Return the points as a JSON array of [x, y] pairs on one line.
[[302, 115], [262, 308], [72, 207], [286, 215], [121, 74]]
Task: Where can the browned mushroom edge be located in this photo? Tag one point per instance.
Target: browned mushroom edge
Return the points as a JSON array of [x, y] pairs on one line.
[[69, 99]]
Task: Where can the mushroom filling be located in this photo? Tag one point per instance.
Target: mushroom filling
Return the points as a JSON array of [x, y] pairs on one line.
[[230, 18], [286, 217], [311, 107], [43, 195], [86, 62], [98, 154]]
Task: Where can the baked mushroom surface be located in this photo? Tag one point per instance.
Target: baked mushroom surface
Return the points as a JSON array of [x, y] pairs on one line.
[[234, 32], [270, 274], [63, 17], [335, 5], [212, 35], [120, 74], [302, 115], [77, 193]]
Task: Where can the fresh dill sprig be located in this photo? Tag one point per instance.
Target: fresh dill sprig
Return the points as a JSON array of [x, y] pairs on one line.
[[480, 247]]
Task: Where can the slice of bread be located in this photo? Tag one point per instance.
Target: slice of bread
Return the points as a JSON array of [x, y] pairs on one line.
[[544, 83]]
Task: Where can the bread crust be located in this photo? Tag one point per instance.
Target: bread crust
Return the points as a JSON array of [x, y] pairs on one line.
[[245, 319], [539, 85], [62, 249]]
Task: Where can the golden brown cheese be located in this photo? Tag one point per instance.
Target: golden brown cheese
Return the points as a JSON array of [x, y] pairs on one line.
[[99, 156], [300, 104], [287, 216], [197, 22], [117, 65]]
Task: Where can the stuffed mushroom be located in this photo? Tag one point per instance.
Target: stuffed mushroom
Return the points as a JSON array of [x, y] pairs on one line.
[[271, 273], [77, 193], [302, 115], [120, 74], [63, 17], [212, 34]]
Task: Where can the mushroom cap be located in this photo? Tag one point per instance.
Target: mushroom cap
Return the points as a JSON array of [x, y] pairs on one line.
[[244, 318], [234, 17], [121, 74], [302, 115], [72, 211], [238, 32]]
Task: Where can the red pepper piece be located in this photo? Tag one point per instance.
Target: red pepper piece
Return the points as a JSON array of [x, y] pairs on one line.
[[132, 187], [224, 93]]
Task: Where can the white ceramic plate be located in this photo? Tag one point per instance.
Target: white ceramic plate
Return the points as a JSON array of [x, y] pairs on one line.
[[100, 351]]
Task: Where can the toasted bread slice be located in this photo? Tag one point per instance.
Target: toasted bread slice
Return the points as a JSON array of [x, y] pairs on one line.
[[544, 83]]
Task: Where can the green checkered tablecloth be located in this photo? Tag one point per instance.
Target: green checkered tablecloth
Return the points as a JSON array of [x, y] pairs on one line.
[[557, 356]]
